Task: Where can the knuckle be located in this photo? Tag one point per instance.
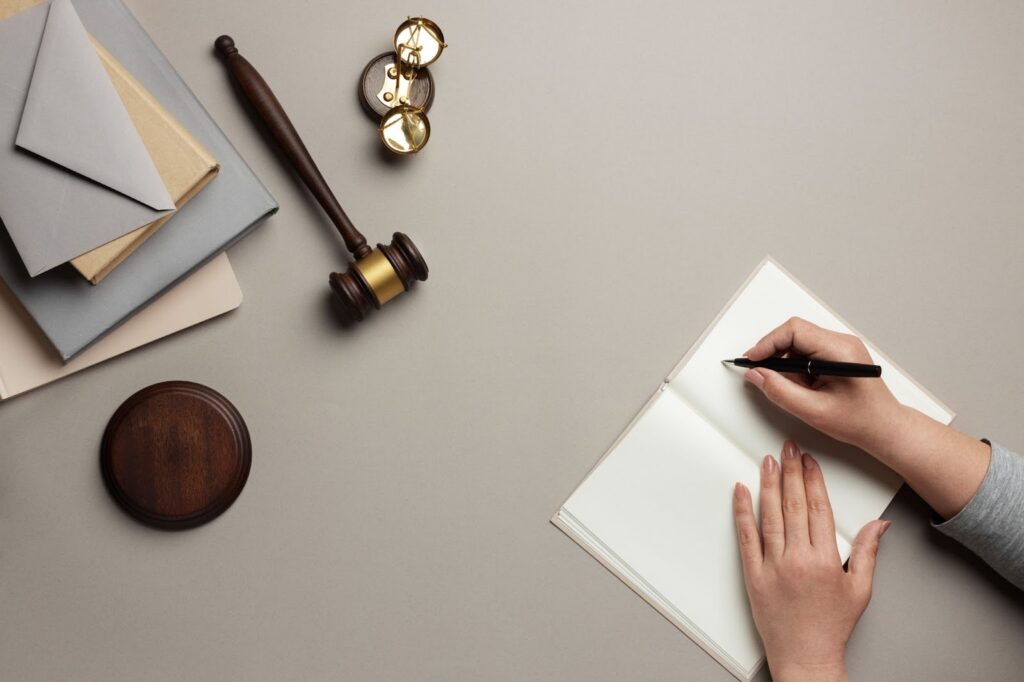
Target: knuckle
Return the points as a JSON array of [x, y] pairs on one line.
[[818, 505], [793, 505], [862, 592], [854, 345], [772, 388], [800, 571], [823, 562], [870, 550], [772, 526], [867, 556], [747, 538]]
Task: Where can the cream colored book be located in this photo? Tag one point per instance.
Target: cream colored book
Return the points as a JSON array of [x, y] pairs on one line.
[[657, 508], [28, 361]]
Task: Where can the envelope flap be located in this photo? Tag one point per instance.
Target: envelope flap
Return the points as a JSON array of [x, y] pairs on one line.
[[74, 117]]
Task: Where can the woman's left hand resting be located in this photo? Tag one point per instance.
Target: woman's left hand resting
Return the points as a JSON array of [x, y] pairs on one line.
[[805, 605]]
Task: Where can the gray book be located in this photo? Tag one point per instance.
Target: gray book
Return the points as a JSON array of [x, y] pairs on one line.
[[73, 313]]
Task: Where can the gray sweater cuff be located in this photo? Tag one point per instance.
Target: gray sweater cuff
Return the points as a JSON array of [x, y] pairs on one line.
[[992, 524]]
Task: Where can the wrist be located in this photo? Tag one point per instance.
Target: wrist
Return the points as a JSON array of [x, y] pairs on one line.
[[882, 440], [802, 672]]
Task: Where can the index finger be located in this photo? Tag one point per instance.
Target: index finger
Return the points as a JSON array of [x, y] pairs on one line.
[[746, 530], [797, 335]]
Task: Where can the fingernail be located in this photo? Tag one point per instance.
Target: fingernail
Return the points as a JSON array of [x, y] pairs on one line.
[[741, 491], [809, 462], [749, 351], [789, 450], [885, 527], [754, 377], [769, 465]]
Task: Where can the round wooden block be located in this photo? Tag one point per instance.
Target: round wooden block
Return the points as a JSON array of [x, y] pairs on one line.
[[176, 454], [372, 81]]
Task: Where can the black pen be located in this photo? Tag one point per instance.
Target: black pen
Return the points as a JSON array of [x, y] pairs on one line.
[[810, 366]]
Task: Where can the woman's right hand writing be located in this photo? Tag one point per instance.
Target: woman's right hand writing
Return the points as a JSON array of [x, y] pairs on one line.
[[854, 410]]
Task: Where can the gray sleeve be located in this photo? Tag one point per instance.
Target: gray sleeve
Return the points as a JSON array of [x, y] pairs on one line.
[[992, 523]]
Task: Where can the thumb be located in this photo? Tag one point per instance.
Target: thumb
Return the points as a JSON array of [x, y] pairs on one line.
[[798, 400], [865, 550]]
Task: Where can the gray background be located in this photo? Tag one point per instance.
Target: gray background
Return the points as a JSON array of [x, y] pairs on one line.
[[600, 181]]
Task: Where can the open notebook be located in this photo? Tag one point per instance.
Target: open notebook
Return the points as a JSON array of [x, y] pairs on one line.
[[657, 508]]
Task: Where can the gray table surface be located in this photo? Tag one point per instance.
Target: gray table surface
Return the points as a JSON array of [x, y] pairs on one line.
[[600, 180]]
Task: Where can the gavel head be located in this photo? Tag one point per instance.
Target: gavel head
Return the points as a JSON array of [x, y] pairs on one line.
[[377, 278]]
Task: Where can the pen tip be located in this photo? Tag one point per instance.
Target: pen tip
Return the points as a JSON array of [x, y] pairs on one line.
[[728, 362]]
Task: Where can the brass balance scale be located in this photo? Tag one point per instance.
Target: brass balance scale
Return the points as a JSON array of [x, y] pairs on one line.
[[397, 88]]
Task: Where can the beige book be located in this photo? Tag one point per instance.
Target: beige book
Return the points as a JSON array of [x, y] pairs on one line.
[[28, 361]]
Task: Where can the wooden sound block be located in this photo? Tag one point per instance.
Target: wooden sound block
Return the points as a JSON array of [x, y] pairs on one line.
[[176, 455]]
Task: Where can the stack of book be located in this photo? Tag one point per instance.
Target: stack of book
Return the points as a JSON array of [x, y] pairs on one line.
[[118, 193]]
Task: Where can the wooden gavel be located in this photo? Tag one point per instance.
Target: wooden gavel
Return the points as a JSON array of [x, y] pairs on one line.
[[377, 275]]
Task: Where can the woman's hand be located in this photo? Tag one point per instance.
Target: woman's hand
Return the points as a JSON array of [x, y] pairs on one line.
[[805, 605], [944, 466], [858, 411]]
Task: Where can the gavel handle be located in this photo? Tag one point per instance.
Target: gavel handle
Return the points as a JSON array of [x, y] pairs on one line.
[[270, 110]]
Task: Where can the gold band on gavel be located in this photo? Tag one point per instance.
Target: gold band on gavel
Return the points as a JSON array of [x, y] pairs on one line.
[[378, 272]]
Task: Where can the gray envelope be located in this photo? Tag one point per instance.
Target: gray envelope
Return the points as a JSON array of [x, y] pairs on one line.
[[74, 173]]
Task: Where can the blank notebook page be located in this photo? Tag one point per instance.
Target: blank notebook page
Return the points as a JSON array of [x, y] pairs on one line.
[[660, 506]]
